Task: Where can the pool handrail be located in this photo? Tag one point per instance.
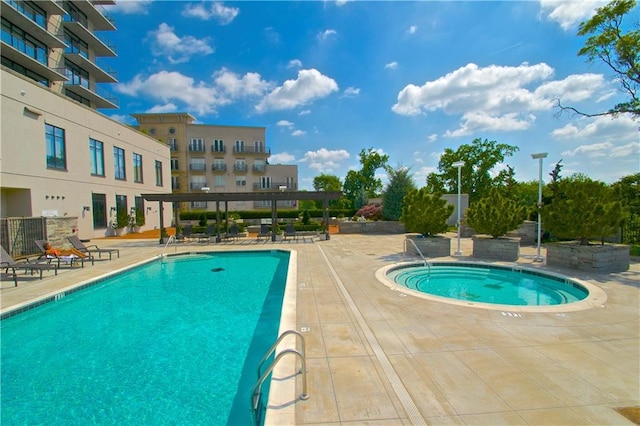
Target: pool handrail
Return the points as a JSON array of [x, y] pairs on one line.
[[171, 238], [426, 262]]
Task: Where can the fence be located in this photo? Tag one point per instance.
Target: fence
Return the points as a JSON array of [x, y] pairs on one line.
[[631, 230], [17, 235]]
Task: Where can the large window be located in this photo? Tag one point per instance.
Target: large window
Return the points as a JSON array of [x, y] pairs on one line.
[[137, 168], [159, 173], [217, 146], [219, 181], [56, 151], [197, 164], [175, 182], [96, 151], [17, 38], [119, 171], [76, 75], [196, 145], [174, 164], [99, 206], [76, 44]]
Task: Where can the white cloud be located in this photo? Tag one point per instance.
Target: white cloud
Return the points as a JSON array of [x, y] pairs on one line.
[[298, 132], [125, 119], [284, 123], [294, 63], [622, 129], [325, 160], [130, 7], [326, 34], [593, 150], [496, 97], [169, 107], [250, 84], [391, 65], [218, 11], [310, 85], [412, 29], [432, 138], [350, 92], [305, 112], [282, 158], [569, 13], [342, 2], [178, 49]]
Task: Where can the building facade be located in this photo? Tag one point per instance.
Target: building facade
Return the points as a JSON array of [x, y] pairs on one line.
[[219, 158], [59, 156]]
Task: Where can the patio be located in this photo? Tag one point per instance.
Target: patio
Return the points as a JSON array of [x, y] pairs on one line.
[[375, 356]]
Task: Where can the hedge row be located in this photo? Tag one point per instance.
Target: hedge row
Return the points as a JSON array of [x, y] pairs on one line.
[[266, 214]]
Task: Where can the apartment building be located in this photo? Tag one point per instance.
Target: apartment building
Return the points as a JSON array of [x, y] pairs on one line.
[[219, 158], [59, 156]]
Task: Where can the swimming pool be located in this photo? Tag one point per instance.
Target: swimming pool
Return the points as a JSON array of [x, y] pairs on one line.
[[481, 284], [176, 342]]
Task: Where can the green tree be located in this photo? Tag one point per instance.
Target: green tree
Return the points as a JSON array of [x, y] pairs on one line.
[[582, 209], [425, 213], [608, 43], [326, 182], [627, 191], [480, 157], [495, 214], [361, 185], [400, 184]]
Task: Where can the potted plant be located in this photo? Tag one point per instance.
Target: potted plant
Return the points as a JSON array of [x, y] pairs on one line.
[[139, 219], [121, 222], [426, 214], [586, 212], [494, 215]]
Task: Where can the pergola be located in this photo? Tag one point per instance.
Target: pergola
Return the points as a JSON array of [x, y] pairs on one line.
[[225, 197]]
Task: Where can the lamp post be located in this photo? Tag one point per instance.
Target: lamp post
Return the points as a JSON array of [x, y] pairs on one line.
[[539, 156], [459, 165]]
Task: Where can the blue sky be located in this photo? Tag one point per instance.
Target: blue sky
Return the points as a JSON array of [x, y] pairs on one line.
[[330, 78]]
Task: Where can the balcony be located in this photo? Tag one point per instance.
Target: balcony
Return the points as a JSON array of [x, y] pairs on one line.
[[196, 148], [198, 167], [221, 167], [98, 15], [99, 47], [21, 59], [219, 150], [30, 26], [275, 186], [240, 168], [98, 99], [251, 150], [197, 186], [75, 56], [259, 168]]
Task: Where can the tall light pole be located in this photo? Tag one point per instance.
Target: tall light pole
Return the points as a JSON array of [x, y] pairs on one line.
[[539, 156], [459, 165]]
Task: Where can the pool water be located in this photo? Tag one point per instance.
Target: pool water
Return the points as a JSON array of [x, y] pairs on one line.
[[487, 284], [173, 342]]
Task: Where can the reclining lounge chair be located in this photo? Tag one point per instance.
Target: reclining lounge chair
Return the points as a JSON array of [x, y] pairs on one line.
[[80, 246], [71, 260], [7, 262]]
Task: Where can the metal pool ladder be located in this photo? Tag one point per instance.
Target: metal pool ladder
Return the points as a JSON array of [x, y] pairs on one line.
[[426, 262], [171, 238], [257, 388]]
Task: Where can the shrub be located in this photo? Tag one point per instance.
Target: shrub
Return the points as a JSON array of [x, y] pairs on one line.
[[425, 213], [495, 214], [370, 212]]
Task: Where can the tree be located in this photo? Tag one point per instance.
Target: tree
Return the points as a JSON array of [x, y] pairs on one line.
[[361, 185], [495, 214], [480, 157], [400, 183], [582, 209], [425, 213], [326, 182], [617, 49], [627, 191]]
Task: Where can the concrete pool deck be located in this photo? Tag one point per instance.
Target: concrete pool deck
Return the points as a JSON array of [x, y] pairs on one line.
[[378, 356]]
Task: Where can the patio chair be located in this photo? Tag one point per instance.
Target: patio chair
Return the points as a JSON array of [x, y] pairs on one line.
[[264, 232], [290, 231], [7, 262], [80, 246], [232, 233], [69, 259], [187, 230]]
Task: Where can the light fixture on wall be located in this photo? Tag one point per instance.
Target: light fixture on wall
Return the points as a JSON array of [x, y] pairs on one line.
[[86, 208], [148, 209], [132, 210]]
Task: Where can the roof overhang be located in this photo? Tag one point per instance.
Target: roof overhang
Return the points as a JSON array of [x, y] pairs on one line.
[[245, 196]]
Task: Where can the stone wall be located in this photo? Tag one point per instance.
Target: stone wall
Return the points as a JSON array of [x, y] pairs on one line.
[[527, 232], [506, 249], [59, 228], [594, 258], [372, 227], [436, 246]]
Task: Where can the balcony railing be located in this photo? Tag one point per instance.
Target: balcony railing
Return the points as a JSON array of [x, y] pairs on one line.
[[198, 167], [219, 149], [196, 148], [251, 150], [219, 167], [275, 186], [259, 168], [240, 168], [197, 186]]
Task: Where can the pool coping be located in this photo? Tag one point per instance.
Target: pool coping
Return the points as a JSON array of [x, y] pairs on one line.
[[596, 297]]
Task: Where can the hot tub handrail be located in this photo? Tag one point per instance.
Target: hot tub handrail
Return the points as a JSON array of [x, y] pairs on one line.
[[426, 262]]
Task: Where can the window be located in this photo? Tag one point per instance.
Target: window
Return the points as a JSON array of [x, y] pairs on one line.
[[240, 166], [139, 204], [137, 168], [159, 173], [118, 164], [197, 164], [196, 145], [76, 45], [239, 146], [259, 166], [241, 181], [174, 164], [56, 151], [265, 182], [197, 182], [99, 208], [198, 204], [218, 165], [96, 151], [220, 181], [77, 76], [217, 146], [24, 42], [258, 146], [121, 206], [173, 144], [175, 182]]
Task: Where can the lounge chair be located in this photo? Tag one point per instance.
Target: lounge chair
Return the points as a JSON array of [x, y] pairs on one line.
[[290, 231], [264, 232], [7, 262], [80, 246], [67, 259], [232, 233], [186, 231]]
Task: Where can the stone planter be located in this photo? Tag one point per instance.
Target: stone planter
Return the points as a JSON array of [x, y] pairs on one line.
[[594, 258], [436, 246], [503, 248]]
